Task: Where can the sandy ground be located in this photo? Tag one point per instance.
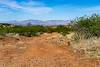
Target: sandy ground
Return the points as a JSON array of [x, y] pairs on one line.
[[42, 51]]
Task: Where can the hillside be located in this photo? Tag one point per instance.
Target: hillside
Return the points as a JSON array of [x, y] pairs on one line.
[[39, 22]]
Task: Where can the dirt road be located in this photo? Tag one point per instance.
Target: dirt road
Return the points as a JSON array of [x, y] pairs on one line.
[[42, 51]]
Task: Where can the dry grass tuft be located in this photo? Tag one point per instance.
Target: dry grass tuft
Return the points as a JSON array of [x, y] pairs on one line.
[[89, 47]]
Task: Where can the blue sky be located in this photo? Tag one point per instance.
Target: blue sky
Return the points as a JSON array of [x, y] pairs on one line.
[[47, 9]]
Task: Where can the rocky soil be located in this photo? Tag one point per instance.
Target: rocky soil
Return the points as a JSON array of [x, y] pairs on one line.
[[47, 50]]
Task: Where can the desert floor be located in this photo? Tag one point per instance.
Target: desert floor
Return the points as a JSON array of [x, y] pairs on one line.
[[47, 50]]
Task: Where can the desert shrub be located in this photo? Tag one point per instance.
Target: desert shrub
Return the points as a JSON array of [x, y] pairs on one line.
[[33, 30], [50, 30], [87, 26], [28, 30], [63, 29]]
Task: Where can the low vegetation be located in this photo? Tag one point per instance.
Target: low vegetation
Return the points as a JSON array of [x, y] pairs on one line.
[[87, 27], [87, 35], [33, 30]]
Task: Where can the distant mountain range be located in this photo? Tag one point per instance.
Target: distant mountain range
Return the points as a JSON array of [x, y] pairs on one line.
[[39, 22]]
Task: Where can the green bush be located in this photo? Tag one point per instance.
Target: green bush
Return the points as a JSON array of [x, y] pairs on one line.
[[33, 30], [89, 26], [62, 29]]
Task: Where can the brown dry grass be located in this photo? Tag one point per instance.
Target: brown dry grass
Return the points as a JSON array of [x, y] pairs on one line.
[[47, 50]]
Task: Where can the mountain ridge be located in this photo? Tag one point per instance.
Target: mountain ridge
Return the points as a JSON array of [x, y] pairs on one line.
[[39, 22]]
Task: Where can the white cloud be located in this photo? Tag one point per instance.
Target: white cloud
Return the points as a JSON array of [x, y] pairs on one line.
[[12, 4], [32, 3], [27, 7], [38, 10]]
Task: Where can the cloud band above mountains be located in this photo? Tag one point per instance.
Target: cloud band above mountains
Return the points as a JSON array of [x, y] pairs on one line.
[[29, 7]]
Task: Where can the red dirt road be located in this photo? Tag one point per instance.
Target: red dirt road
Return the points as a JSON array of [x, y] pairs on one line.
[[40, 51]]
